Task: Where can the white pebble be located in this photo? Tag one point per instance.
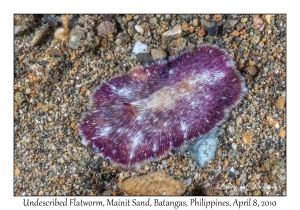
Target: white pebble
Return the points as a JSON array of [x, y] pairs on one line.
[[139, 29], [239, 120], [139, 47], [234, 146], [27, 91], [189, 182]]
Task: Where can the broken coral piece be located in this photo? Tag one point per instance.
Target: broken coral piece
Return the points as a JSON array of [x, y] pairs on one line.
[[157, 183]]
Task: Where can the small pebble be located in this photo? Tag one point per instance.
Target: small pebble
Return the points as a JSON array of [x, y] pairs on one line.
[[62, 34], [282, 134], [280, 103], [196, 22], [234, 146], [105, 28], [65, 21], [153, 21], [268, 18], [19, 98], [177, 45], [139, 29], [235, 33], [27, 91], [164, 162], [158, 54], [191, 29], [185, 26], [190, 46], [257, 192], [201, 32], [226, 162], [243, 178], [273, 122], [210, 26], [139, 47], [189, 182], [144, 58], [17, 172], [229, 26], [239, 120], [251, 70], [257, 22], [247, 138], [174, 31], [217, 18], [75, 36], [244, 20], [39, 34], [139, 37]]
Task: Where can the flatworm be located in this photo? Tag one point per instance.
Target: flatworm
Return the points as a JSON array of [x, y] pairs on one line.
[[142, 115]]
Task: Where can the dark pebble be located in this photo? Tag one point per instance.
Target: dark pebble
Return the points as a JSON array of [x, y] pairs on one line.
[[96, 167], [123, 39], [144, 58], [60, 66], [101, 187], [84, 161], [99, 176], [239, 26], [210, 173], [106, 17], [229, 26], [131, 23], [30, 127], [238, 40], [213, 30], [69, 65], [51, 19], [278, 88], [186, 17], [211, 27], [87, 186], [44, 63]]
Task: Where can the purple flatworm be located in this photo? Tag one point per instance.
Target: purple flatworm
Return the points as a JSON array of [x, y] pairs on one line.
[[142, 115]]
